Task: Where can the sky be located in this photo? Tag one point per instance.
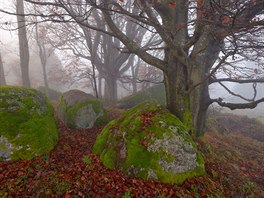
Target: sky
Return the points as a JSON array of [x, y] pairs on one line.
[[6, 36]]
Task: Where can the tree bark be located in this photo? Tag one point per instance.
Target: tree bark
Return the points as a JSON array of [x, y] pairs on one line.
[[2, 72], [110, 90], [23, 43]]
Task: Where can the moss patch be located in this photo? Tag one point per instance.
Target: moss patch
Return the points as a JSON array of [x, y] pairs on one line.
[[27, 124], [157, 93], [149, 142]]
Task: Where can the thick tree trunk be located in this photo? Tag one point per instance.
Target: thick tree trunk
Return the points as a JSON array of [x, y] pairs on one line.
[[199, 102], [176, 85], [2, 73], [188, 103], [190, 108], [110, 90], [23, 43]]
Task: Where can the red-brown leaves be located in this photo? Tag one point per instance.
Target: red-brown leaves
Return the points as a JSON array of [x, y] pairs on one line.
[[146, 119], [172, 4], [64, 174]]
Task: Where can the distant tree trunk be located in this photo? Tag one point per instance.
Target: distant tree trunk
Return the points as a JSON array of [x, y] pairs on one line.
[[2, 73], [43, 59], [23, 43], [134, 83], [110, 90], [100, 86]]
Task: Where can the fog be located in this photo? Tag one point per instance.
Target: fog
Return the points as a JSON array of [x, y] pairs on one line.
[[66, 71]]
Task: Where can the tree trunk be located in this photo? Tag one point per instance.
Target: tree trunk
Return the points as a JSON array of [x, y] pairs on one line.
[[189, 99], [2, 73], [23, 43], [46, 83], [134, 73], [100, 86], [175, 81], [110, 90]]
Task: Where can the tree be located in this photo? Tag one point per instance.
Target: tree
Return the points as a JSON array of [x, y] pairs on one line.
[[44, 53], [103, 51], [2, 73], [23, 43], [198, 39]]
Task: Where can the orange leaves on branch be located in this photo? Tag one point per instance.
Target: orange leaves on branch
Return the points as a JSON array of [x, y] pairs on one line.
[[200, 8], [172, 4], [226, 20]]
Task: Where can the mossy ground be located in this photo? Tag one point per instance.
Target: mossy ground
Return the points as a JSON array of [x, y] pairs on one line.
[[27, 121], [137, 134], [68, 113], [157, 93]]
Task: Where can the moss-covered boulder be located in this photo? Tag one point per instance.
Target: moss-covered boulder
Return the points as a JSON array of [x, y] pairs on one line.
[[78, 109], [149, 142], [156, 92], [27, 124]]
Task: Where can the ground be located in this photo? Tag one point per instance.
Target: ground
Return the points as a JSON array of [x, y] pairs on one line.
[[234, 166]]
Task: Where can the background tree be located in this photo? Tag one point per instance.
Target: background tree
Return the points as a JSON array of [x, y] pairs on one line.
[[198, 39], [23, 43], [2, 73], [103, 51]]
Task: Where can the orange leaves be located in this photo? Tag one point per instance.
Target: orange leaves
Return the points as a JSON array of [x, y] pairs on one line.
[[200, 8], [226, 20], [172, 4], [146, 119]]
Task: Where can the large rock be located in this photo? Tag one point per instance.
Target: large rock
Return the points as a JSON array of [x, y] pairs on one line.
[[27, 124], [78, 109], [149, 142]]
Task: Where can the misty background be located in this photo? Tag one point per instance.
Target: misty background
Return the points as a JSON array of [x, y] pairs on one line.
[[66, 71]]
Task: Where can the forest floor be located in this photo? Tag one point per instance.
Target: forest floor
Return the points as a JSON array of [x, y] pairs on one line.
[[234, 166]]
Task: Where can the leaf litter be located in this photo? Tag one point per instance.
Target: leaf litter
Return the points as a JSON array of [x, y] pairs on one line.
[[234, 166]]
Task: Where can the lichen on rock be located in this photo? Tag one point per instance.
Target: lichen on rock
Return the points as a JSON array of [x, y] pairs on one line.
[[149, 142], [27, 124], [78, 109]]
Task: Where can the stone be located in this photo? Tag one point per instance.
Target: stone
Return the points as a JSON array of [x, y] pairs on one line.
[[149, 142], [27, 124], [78, 109]]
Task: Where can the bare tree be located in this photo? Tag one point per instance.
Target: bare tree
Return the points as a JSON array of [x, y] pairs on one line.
[[44, 53], [23, 43], [103, 51], [198, 39]]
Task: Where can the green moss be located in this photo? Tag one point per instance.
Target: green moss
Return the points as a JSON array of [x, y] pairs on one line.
[[27, 121], [102, 138], [108, 157]]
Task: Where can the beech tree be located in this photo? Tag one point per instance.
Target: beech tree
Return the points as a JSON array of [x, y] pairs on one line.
[[2, 73], [23, 43], [198, 39], [103, 51]]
